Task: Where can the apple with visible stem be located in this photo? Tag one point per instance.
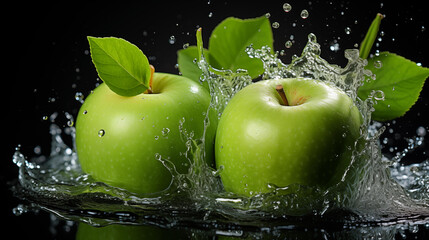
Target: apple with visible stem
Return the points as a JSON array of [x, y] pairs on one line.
[[286, 131], [118, 138]]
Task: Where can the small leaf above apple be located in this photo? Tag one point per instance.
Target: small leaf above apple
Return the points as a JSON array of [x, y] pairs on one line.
[[227, 45], [121, 65]]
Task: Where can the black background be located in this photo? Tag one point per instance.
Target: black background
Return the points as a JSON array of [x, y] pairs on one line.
[[46, 51]]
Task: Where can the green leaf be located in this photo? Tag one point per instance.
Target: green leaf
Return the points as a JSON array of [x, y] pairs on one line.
[[186, 58], [371, 35], [121, 65], [230, 38], [401, 81], [227, 45]]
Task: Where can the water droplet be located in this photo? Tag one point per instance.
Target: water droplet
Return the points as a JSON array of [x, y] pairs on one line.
[[377, 52], [37, 150], [378, 95], [385, 140], [288, 44], [172, 39], [378, 64], [45, 118], [101, 132], [287, 7], [19, 210], [70, 123], [156, 137], [267, 15], [79, 97], [85, 112], [165, 132], [334, 46], [275, 25], [348, 30], [421, 131], [304, 14], [423, 28], [185, 46], [210, 14]]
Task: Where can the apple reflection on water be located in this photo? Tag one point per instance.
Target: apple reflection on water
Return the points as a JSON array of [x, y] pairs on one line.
[[197, 196]]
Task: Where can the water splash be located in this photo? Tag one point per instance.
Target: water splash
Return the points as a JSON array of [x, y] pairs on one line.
[[375, 188], [223, 84], [370, 173]]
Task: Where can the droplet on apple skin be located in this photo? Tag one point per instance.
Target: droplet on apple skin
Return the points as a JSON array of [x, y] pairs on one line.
[[101, 132], [165, 132]]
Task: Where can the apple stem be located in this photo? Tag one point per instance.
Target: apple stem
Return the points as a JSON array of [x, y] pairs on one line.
[[282, 94], [152, 70]]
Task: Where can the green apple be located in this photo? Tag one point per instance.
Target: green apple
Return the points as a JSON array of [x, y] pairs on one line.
[[118, 139], [262, 140], [129, 232]]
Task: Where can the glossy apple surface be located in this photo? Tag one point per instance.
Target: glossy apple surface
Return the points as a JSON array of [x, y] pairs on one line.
[[259, 141], [119, 138], [128, 232]]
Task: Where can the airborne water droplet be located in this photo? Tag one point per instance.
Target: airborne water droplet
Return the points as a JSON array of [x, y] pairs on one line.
[[172, 39], [101, 133], [287, 7], [334, 46], [421, 131], [79, 97], [275, 25], [348, 30], [288, 44], [304, 14]]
